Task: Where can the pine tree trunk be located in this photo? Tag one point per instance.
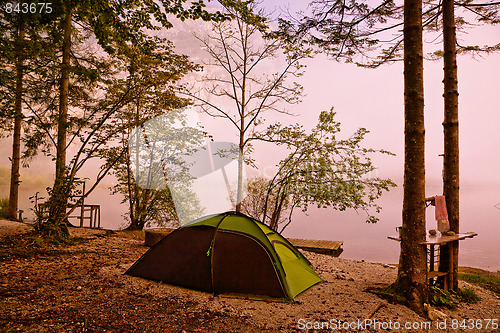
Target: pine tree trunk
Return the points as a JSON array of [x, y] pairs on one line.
[[412, 274], [11, 213], [450, 126], [62, 124], [55, 226]]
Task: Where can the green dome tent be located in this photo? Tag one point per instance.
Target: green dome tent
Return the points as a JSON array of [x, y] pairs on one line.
[[228, 254]]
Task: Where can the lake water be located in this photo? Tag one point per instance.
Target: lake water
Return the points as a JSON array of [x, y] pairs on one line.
[[362, 241], [369, 242]]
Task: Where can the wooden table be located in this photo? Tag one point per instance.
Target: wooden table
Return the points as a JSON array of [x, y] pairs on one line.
[[431, 242]]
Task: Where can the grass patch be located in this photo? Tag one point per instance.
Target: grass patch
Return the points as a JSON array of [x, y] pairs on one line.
[[450, 299], [437, 297], [131, 234], [490, 283], [388, 293], [24, 246], [468, 295], [4, 204]]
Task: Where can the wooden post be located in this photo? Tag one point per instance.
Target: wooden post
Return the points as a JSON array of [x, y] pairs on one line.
[[451, 277], [431, 258]]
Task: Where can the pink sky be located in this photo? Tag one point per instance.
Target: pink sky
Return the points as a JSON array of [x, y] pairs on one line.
[[373, 98]]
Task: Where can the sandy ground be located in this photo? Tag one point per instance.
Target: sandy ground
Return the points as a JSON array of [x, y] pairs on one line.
[[82, 288]]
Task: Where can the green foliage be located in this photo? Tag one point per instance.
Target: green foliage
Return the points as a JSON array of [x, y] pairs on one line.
[[442, 298], [146, 207], [51, 222], [324, 170], [245, 10], [116, 66], [487, 282], [450, 299], [149, 81], [370, 34], [4, 204]]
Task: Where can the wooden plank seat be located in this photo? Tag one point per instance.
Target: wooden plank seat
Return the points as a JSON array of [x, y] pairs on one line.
[[435, 274], [94, 217], [81, 213]]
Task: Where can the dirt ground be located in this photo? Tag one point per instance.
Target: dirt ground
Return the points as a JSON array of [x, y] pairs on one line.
[[82, 288]]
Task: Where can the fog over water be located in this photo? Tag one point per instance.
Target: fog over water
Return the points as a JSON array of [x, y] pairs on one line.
[[362, 241]]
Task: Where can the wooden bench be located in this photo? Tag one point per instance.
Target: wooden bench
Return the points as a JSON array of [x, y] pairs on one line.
[[81, 209], [94, 216]]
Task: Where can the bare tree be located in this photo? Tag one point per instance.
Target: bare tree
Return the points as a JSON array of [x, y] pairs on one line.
[[243, 83]]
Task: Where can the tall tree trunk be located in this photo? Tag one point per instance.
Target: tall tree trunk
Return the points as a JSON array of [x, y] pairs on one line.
[[450, 127], [243, 115], [60, 191], [18, 117], [62, 124], [412, 273], [239, 190]]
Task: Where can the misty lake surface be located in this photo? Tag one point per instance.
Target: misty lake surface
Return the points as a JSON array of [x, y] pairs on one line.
[[369, 242], [362, 241]]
